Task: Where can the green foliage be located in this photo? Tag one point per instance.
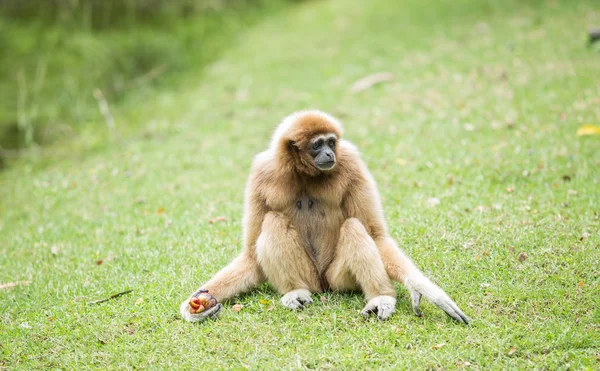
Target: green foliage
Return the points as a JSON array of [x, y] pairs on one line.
[[56, 53], [482, 114]]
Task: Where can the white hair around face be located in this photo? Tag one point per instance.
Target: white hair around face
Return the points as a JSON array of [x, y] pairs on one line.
[[291, 119]]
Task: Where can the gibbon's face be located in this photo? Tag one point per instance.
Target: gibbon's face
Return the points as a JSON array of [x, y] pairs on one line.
[[322, 150]]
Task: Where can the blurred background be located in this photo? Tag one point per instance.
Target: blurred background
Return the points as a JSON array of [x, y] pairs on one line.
[[67, 66], [61, 60]]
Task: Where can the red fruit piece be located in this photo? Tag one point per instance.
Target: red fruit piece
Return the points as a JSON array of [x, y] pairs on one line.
[[201, 302]]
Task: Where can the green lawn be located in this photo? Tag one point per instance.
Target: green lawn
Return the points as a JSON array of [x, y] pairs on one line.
[[482, 114]]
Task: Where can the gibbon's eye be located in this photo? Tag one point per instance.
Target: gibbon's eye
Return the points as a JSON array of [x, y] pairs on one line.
[[331, 143], [317, 145]]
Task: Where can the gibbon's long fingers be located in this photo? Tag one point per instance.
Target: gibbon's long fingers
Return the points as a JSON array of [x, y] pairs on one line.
[[452, 310], [416, 301], [443, 301], [420, 284], [199, 317]]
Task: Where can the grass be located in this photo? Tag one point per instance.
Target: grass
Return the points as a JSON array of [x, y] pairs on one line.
[[482, 115]]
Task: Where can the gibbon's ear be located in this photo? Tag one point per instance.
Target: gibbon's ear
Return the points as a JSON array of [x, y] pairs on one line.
[[294, 146]]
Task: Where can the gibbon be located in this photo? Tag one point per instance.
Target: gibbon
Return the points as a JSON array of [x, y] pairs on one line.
[[313, 221]]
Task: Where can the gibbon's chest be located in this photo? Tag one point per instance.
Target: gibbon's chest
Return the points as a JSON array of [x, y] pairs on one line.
[[318, 223]]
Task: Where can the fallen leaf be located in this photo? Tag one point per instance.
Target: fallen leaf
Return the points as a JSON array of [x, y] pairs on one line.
[[477, 257], [237, 307], [217, 219], [511, 248], [264, 302], [510, 189], [523, 256], [572, 192], [584, 236], [433, 202], [371, 80], [438, 346], [324, 299], [486, 253], [139, 301], [160, 210], [588, 130], [9, 285], [580, 283], [512, 351], [55, 250], [108, 258], [270, 308]]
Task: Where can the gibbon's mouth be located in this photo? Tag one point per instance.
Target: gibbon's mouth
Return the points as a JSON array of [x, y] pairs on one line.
[[326, 165]]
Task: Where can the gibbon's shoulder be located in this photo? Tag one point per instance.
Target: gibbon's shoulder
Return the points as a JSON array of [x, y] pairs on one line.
[[348, 150], [263, 166], [349, 158]]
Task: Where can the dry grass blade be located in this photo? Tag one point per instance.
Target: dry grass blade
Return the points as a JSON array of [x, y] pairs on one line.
[[111, 297], [9, 285], [371, 80]]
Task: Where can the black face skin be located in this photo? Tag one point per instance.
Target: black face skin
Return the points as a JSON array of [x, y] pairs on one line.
[[322, 150]]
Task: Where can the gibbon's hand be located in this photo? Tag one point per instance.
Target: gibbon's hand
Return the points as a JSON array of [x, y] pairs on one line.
[[383, 305], [213, 312], [423, 287]]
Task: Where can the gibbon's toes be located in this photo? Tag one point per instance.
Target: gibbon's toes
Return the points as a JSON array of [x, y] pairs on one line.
[[199, 317], [296, 299], [383, 305], [416, 301]]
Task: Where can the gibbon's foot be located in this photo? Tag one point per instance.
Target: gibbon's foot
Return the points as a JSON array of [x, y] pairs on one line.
[[188, 307], [383, 305], [296, 299]]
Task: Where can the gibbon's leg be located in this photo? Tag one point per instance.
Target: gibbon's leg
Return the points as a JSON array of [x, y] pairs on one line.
[[358, 264], [242, 274], [402, 269], [285, 262]]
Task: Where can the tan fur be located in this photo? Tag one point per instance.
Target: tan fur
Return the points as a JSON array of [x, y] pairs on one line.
[[310, 229]]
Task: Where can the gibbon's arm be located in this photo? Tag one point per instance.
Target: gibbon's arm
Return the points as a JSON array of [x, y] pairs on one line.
[[243, 273], [362, 202], [255, 210]]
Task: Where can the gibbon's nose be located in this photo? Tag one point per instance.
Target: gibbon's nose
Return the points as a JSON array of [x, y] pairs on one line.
[[329, 155]]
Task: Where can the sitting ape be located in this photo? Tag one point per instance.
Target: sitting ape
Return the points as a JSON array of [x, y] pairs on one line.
[[313, 221]]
